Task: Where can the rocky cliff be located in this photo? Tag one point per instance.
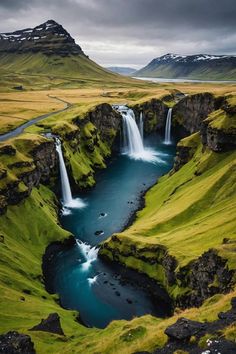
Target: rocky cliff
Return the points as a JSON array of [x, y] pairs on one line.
[[154, 114], [24, 168], [192, 110]]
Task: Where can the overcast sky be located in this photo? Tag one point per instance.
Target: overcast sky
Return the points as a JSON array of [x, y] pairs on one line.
[[132, 32]]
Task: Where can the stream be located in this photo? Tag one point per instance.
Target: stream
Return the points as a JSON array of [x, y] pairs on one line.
[[102, 292]]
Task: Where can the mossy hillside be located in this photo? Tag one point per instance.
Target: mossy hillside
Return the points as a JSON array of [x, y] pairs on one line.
[[27, 229], [221, 120], [177, 216]]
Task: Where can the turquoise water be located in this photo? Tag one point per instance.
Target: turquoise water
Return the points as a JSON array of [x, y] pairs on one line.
[[99, 291]]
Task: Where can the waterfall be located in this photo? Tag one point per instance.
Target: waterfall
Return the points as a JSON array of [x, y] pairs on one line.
[[68, 201], [167, 140], [132, 137], [141, 124], [90, 254], [133, 144]]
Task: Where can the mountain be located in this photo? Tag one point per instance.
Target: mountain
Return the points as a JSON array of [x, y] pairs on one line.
[[201, 66], [121, 70], [48, 38], [47, 49]]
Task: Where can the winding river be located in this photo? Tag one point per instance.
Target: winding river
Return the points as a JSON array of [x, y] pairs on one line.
[[101, 292]]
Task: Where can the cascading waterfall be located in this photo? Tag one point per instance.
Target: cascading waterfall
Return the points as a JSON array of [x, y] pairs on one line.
[[90, 254], [68, 201], [167, 140], [141, 124], [132, 139]]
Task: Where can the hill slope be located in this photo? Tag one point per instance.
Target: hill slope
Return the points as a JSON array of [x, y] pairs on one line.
[[47, 49], [205, 67]]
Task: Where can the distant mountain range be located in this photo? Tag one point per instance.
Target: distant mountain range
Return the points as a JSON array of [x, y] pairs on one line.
[[48, 49], [201, 66], [121, 70]]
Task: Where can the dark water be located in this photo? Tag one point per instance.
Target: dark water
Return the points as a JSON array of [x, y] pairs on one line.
[[101, 292]]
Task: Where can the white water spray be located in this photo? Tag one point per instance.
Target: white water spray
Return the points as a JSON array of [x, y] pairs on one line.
[[132, 139], [167, 140], [90, 254], [68, 201]]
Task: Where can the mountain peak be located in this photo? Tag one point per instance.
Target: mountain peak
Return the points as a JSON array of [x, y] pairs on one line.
[[49, 38]]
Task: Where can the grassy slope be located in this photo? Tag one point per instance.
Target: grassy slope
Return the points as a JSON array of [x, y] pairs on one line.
[[188, 212], [20, 255], [203, 72]]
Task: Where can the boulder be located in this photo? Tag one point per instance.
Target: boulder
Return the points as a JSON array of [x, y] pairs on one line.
[[16, 343], [51, 324], [183, 329]]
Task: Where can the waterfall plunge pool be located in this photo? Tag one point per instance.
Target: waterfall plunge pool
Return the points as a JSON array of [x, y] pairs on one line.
[[103, 292]]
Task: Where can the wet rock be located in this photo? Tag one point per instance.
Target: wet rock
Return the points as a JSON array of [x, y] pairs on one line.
[[98, 232], [51, 324], [183, 329], [16, 343]]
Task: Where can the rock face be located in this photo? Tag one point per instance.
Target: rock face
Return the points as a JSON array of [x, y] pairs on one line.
[[16, 343], [106, 120], [207, 276], [48, 38], [218, 140], [154, 114], [51, 324], [192, 110], [29, 173]]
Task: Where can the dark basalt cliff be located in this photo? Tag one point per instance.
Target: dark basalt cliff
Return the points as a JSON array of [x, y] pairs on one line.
[[192, 110], [154, 114], [48, 38], [39, 168]]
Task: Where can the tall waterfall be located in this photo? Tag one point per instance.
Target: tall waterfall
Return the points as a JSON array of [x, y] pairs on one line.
[[68, 201], [141, 124], [132, 140], [167, 140]]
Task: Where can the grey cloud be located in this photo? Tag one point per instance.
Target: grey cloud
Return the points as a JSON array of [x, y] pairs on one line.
[[132, 31]]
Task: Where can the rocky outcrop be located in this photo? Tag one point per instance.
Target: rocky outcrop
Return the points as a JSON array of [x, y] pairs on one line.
[[16, 343], [183, 155], [219, 139], [192, 110], [39, 169], [205, 277], [51, 324], [154, 114], [107, 121], [183, 330]]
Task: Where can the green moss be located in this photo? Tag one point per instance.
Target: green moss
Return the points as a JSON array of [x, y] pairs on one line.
[[220, 120]]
